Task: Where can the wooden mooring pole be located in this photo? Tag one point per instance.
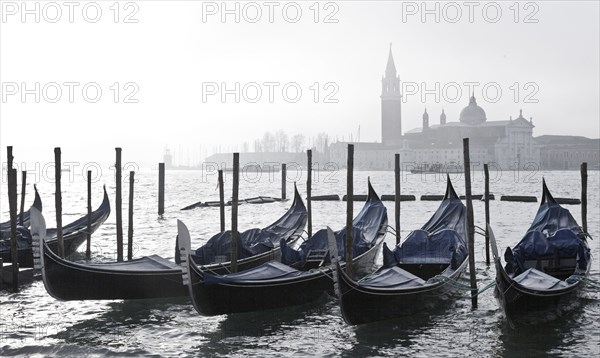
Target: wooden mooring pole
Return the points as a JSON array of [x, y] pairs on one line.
[[470, 222], [13, 235], [349, 208], [161, 189], [309, 191], [88, 242], [234, 211], [12, 204], [23, 191], [584, 196], [58, 203], [221, 200], [283, 181], [1, 270], [486, 173], [397, 197], [119, 205], [130, 221], [9, 159]]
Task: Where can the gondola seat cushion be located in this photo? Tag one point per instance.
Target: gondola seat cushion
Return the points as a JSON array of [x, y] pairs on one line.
[[268, 271], [393, 278], [218, 248], [23, 240], [441, 247], [564, 243], [319, 241], [538, 280]]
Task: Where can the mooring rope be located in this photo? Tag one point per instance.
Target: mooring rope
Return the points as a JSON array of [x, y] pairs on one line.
[[390, 229], [460, 286], [585, 280], [490, 285]]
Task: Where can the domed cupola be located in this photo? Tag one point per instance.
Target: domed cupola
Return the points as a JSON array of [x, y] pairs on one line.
[[472, 114]]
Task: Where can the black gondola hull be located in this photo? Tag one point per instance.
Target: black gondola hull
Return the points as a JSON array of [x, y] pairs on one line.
[[76, 235], [68, 281], [398, 296], [216, 299], [71, 244], [144, 278], [223, 268], [516, 299], [361, 305]]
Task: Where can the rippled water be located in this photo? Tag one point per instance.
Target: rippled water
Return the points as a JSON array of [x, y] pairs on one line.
[[33, 323]]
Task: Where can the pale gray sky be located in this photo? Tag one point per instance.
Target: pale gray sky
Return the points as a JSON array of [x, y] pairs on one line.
[[171, 54]]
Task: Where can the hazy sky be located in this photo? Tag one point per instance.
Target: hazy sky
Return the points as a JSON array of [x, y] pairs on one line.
[[176, 52]]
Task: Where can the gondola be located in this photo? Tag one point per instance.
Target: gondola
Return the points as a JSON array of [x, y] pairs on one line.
[[418, 274], [547, 267], [255, 246], [145, 277], [74, 234], [277, 284], [5, 226]]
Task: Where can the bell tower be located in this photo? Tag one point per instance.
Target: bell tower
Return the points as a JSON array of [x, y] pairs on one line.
[[425, 120], [391, 100]]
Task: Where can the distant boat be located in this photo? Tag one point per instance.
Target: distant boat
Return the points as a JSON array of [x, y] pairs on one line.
[[255, 168], [437, 168]]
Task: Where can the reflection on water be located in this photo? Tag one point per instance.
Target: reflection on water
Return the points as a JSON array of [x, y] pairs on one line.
[[552, 333], [31, 322]]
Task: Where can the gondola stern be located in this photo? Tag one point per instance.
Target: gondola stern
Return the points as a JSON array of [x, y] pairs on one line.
[[105, 201], [546, 195], [372, 193], [297, 197], [37, 202], [450, 192]]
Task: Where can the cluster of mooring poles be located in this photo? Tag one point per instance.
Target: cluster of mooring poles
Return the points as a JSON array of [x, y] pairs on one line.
[[349, 197]]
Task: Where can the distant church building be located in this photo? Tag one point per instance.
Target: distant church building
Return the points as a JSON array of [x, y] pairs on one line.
[[505, 144]]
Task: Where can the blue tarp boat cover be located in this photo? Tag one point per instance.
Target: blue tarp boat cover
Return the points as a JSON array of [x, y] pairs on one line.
[[442, 240], [536, 279], [254, 241], [5, 226], [553, 233], [250, 243], [24, 240], [393, 278], [365, 228], [267, 271]]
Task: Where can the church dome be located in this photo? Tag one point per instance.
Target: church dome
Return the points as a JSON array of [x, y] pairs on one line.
[[472, 114]]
